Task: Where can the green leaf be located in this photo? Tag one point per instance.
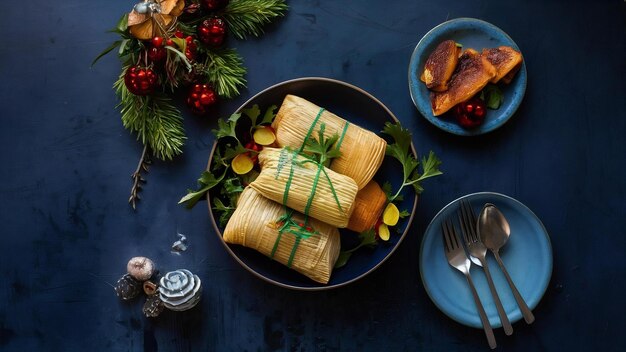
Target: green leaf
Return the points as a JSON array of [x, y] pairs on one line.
[[343, 259], [493, 97], [404, 213], [368, 239], [269, 115], [386, 187], [154, 118], [245, 17], [252, 113], [230, 152], [400, 148], [227, 128], [122, 24], [323, 148], [206, 181], [106, 51], [180, 55], [224, 69]]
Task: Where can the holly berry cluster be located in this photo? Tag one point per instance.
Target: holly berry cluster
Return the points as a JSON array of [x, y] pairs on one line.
[[145, 79]]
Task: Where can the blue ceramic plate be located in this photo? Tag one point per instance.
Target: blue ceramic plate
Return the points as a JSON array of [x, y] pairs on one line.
[[527, 256], [471, 33], [363, 109]]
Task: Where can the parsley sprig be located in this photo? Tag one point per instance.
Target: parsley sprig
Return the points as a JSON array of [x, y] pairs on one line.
[[400, 150], [323, 149]]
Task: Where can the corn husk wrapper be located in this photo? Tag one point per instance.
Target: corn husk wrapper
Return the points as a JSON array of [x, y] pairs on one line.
[[368, 206], [276, 166], [362, 151], [253, 225]]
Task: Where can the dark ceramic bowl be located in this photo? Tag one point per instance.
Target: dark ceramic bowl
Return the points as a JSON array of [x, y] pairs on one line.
[[361, 108]]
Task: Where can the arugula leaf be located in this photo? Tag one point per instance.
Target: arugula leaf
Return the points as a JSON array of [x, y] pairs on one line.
[[269, 115], [492, 95], [322, 148], [400, 150], [206, 181], [368, 239]]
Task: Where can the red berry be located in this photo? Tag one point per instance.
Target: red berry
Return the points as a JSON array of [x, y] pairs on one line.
[[157, 41], [140, 80], [156, 54], [200, 98], [169, 42], [179, 34], [214, 5], [191, 49], [212, 31], [471, 113]]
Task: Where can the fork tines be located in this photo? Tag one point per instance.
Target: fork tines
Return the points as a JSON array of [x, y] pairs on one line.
[[449, 233], [467, 218]]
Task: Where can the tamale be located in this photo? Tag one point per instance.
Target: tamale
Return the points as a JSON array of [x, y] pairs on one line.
[[368, 206], [256, 222], [362, 151], [303, 185]]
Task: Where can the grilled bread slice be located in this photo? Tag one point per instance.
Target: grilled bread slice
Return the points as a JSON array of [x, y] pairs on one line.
[[472, 74], [506, 60], [440, 65]]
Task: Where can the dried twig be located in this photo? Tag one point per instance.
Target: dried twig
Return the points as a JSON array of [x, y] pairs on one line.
[[138, 179]]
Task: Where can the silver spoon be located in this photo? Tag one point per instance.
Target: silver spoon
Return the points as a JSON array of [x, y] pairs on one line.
[[494, 231]]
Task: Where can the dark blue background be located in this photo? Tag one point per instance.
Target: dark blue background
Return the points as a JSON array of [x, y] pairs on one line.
[[67, 231]]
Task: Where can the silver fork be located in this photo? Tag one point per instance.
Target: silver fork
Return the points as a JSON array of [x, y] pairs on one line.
[[459, 260], [467, 219]]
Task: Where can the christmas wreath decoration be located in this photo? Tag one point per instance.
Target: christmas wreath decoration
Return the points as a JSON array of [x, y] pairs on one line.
[[168, 45]]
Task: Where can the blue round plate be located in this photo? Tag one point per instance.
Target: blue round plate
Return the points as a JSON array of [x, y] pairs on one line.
[[363, 109], [471, 33], [527, 256]]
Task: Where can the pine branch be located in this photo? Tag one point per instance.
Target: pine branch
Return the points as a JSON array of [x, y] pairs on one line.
[[247, 17], [157, 122], [138, 179], [224, 69]]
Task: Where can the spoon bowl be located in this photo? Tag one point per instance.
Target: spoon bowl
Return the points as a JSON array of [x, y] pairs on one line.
[[493, 227]]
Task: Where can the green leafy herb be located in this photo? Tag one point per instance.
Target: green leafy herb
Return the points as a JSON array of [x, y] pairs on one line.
[[206, 181], [492, 95], [368, 239], [227, 128], [404, 213], [225, 211], [400, 150], [269, 115], [252, 113], [323, 149]]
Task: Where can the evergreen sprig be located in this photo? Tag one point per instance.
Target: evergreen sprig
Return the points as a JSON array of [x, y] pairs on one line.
[[247, 17], [224, 69], [156, 121]]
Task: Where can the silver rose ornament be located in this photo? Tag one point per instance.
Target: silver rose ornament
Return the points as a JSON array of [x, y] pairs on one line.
[[180, 290]]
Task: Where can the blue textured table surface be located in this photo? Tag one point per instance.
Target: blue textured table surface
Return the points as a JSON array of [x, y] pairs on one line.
[[67, 231]]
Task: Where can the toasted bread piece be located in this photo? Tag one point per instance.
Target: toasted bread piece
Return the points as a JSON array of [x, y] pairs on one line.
[[509, 76], [440, 65], [472, 74], [505, 59]]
